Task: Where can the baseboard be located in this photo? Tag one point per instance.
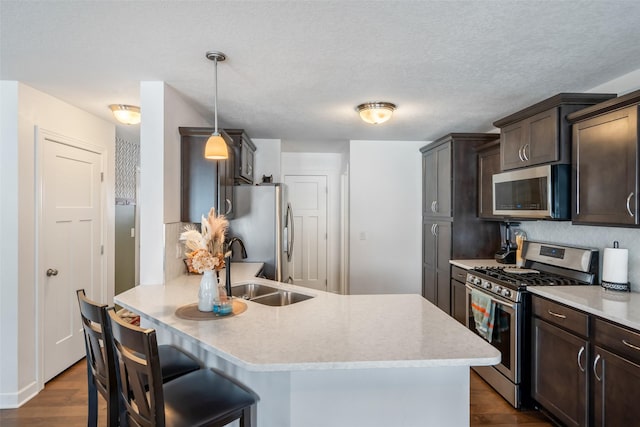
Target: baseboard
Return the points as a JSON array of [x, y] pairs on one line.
[[19, 398]]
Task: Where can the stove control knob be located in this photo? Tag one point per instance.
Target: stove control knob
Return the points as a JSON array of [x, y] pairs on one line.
[[506, 293], [475, 280], [486, 284], [498, 290]]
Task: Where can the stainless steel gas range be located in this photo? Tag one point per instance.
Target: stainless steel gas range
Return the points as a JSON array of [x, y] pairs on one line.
[[546, 264]]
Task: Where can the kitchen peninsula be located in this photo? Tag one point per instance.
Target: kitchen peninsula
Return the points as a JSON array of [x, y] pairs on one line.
[[339, 360]]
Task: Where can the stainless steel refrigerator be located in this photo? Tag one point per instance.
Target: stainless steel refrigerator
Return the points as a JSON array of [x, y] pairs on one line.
[[264, 222]]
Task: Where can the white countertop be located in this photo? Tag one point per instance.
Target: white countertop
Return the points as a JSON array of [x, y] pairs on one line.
[[329, 331], [469, 264], [616, 306]]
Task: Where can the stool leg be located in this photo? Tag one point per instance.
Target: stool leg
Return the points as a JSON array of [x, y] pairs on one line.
[[92, 391], [246, 419]]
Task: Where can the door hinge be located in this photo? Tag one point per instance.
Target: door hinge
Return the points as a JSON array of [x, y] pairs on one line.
[[101, 249], [101, 176]]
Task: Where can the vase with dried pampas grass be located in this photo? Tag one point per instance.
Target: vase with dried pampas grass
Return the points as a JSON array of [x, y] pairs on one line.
[[206, 256]]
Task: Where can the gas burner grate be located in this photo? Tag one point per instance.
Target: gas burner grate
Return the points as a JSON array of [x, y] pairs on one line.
[[523, 279]]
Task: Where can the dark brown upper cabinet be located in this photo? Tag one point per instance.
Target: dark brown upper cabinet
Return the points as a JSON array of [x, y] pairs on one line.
[[204, 183], [244, 150], [488, 164], [541, 134], [605, 163]]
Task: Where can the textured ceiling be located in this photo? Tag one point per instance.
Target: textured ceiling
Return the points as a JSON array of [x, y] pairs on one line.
[[296, 69]]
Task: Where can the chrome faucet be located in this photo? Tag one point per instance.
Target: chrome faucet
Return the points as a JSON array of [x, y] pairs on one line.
[[229, 255]]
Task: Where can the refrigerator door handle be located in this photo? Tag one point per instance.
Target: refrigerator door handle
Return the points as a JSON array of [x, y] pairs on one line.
[[290, 232]]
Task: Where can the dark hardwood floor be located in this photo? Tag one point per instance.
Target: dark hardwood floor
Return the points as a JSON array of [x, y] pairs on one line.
[[488, 408], [63, 403]]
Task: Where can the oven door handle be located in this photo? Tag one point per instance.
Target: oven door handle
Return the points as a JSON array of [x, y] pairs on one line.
[[497, 301]]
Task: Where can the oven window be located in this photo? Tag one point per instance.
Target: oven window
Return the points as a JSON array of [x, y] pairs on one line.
[[501, 338]]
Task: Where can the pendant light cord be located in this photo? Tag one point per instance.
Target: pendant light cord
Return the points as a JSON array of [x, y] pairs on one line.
[[215, 94]]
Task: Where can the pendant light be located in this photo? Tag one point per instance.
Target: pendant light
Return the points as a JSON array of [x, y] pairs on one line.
[[376, 112], [216, 148]]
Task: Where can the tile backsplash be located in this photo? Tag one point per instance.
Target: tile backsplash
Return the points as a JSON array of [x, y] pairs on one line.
[[592, 237]]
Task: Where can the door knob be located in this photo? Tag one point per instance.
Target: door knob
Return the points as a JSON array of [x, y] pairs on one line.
[[52, 272]]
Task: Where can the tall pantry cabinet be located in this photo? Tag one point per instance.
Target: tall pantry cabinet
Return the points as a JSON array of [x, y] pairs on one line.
[[451, 228]]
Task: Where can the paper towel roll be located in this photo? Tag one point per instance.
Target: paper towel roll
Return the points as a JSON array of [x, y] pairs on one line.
[[615, 265]]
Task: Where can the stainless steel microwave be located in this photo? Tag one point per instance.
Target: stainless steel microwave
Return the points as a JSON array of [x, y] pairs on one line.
[[540, 192]]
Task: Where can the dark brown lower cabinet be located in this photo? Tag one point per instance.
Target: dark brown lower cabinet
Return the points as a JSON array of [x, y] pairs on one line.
[[436, 268], [458, 294], [616, 390], [615, 375], [586, 370], [559, 373]]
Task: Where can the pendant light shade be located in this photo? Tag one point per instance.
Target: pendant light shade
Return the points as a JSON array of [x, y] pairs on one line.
[[376, 112], [216, 148]]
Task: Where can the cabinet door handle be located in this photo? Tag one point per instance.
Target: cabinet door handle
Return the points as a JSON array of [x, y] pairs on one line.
[[559, 316], [578, 184], [579, 357], [595, 373], [435, 229], [230, 206], [629, 203], [520, 154], [635, 347], [52, 272], [433, 206], [524, 151]]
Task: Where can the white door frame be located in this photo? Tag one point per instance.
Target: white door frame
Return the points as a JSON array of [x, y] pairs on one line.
[[40, 136], [329, 165], [300, 227]]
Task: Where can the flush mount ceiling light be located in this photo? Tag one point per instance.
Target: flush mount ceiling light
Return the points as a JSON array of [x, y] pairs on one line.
[[216, 148], [376, 112], [126, 114]]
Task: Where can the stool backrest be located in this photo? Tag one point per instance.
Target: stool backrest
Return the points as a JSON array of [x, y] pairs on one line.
[[97, 339], [138, 368]]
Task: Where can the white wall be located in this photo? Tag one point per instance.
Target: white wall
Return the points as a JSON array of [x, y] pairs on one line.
[[9, 272], [163, 111], [19, 370], [267, 159], [385, 217]]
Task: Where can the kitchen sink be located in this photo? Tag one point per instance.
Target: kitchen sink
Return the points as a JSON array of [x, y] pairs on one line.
[[267, 295], [281, 298], [251, 290]]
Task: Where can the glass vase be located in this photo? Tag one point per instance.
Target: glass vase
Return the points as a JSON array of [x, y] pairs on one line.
[[222, 306], [208, 291]]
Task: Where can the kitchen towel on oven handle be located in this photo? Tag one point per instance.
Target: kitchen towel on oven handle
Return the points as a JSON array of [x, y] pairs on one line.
[[483, 308]]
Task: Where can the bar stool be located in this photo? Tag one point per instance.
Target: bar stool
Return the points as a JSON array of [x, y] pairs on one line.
[[201, 398], [101, 365]]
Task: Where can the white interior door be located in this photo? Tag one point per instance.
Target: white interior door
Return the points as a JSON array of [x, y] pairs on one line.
[[71, 220], [308, 197]]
